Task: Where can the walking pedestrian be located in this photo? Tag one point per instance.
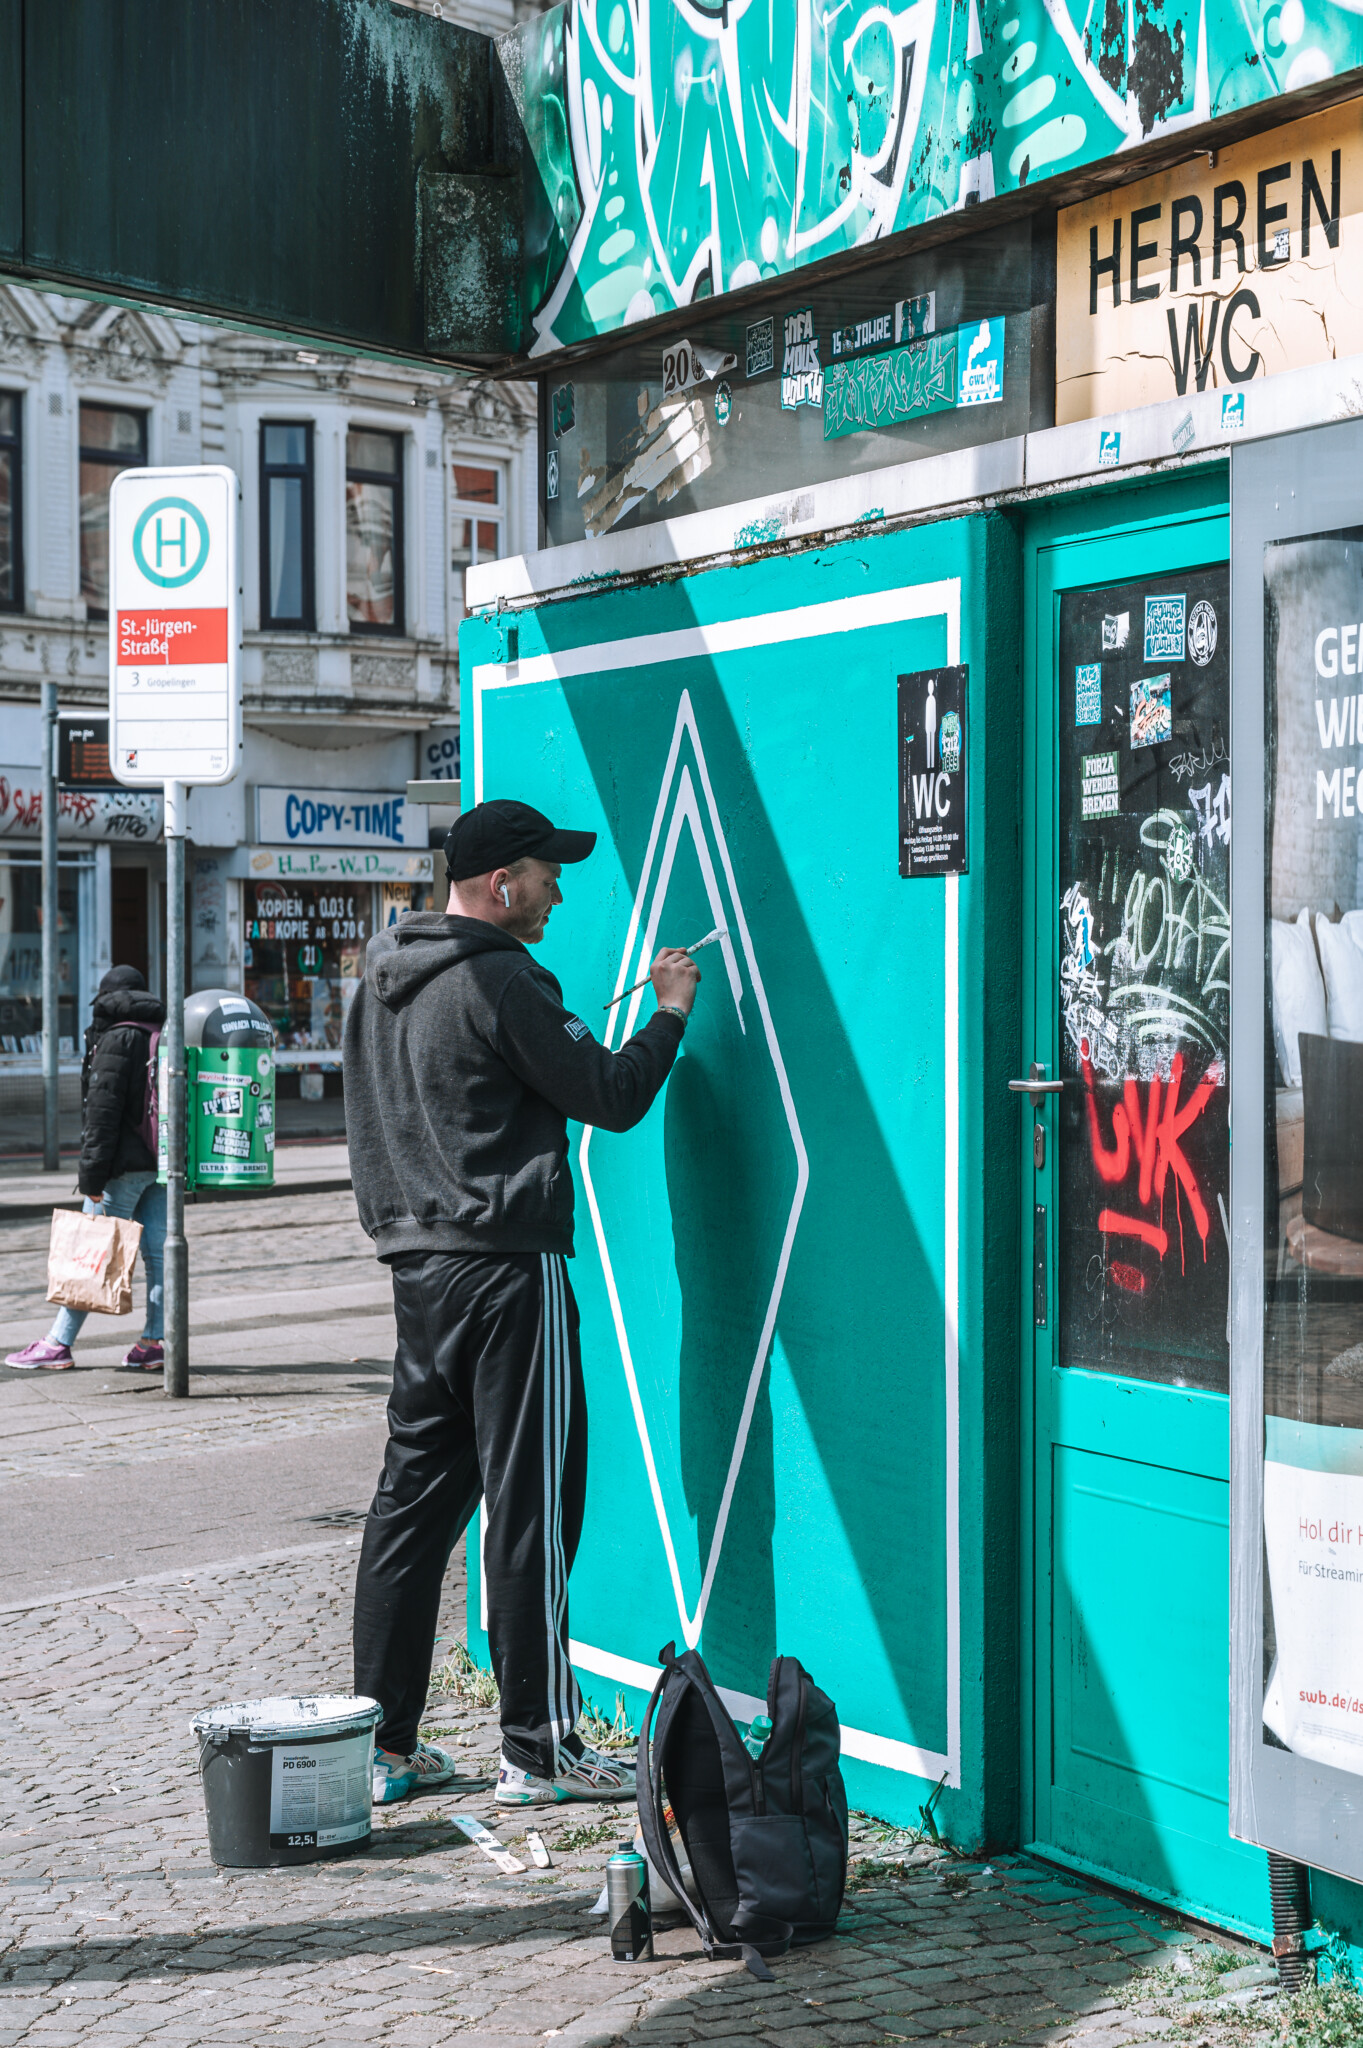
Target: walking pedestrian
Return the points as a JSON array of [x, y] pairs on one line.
[[462, 1068], [117, 1171]]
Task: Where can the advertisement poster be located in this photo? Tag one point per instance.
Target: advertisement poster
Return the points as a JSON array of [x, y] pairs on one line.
[[1313, 1250], [1313, 1541], [1144, 965], [932, 771]]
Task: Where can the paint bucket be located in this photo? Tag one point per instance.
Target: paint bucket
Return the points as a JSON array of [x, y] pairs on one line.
[[287, 1780]]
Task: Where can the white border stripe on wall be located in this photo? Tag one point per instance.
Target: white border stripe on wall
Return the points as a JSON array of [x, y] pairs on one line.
[[803, 623]]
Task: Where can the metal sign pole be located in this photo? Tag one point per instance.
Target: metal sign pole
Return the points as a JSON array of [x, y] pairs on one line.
[[51, 936], [175, 719], [177, 1249]]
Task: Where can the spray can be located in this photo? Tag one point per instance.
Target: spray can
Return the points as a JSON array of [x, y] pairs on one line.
[[631, 1923]]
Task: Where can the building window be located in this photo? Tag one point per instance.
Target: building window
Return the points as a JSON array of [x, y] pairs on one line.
[[304, 957], [11, 503], [286, 587], [110, 440], [373, 531], [478, 515]]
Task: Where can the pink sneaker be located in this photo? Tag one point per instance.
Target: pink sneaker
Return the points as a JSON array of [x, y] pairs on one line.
[[42, 1353], [143, 1356]]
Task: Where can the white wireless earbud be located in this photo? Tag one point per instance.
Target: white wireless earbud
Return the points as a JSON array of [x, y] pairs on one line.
[[506, 895]]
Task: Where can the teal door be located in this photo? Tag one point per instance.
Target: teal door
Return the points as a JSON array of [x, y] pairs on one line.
[[1124, 1149]]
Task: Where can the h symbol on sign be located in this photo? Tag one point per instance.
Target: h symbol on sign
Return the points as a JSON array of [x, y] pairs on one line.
[[171, 541]]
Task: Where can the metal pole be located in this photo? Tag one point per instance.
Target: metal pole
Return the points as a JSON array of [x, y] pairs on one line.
[[177, 1250], [51, 932]]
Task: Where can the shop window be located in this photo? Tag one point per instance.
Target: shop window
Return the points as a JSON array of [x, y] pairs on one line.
[[286, 549], [130, 934], [111, 440], [11, 503], [304, 958], [478, 514], [373, 532], [21, 958]]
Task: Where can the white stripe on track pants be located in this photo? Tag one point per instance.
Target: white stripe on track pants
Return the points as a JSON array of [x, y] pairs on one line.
[[487, 1402]]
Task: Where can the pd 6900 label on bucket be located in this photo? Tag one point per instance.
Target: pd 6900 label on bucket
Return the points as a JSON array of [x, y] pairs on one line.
[[320, 1794]]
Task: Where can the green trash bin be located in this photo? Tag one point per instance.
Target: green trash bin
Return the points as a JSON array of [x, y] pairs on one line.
[[229, 1090]]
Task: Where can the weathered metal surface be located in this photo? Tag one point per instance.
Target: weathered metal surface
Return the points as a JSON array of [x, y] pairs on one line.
[[258, 162], [11, 128], [681, 151], [470, 261], [268, 163]]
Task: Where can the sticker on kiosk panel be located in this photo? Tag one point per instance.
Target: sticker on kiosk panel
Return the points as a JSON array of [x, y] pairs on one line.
[[174, 626]]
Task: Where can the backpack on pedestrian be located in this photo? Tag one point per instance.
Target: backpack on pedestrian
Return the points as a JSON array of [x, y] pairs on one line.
[[766, 1837], [149, 1125], [149, 1117]]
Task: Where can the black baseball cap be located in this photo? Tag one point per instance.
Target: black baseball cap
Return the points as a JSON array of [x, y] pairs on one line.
[[496, 833]]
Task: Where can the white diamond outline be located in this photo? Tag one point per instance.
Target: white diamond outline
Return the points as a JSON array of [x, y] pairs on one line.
[[685, 810], [893, 605]]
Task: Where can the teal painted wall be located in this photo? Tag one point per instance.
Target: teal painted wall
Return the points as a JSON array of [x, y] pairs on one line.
[[837, 1545], [679, 152]]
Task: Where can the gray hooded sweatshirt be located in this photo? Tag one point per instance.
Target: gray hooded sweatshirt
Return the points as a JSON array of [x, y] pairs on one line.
[[462, 1068]]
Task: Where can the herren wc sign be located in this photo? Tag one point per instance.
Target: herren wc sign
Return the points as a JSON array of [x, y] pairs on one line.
[[1213, 274]]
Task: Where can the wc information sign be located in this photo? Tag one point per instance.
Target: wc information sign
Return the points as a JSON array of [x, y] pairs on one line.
[[174, 627], [933, 756]]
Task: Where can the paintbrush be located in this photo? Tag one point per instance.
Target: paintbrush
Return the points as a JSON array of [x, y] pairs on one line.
[[720, 932]]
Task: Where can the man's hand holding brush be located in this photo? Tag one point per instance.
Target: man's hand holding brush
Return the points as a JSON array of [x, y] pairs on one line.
[[674, 975]]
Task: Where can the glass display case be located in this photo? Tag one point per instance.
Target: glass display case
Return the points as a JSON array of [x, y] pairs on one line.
[[1297, 1186]]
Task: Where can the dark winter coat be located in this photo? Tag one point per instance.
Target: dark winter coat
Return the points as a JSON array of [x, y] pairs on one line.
[[114, 1086], [462, 1068]]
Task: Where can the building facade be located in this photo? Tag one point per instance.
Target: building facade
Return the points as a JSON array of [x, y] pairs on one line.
[[910, 617], [369, 490], [951, 433]]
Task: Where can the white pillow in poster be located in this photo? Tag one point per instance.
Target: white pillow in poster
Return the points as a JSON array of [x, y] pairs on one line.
[[1298, 993], [1342, 961]]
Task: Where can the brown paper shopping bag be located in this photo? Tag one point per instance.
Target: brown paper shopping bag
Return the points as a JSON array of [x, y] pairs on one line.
[[90, 1262]]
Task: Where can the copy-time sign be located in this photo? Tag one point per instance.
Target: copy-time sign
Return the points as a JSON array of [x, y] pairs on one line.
[[174, 626]]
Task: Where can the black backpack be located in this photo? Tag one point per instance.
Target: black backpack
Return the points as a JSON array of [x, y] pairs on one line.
[[766, 1840]]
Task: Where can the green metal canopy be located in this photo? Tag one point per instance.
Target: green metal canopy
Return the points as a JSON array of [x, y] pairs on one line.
[[361, 172]]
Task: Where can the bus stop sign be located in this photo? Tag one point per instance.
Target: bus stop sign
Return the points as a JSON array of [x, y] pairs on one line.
[[174, 626]]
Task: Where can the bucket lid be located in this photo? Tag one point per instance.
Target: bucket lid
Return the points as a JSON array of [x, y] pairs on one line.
[[287, 1719]]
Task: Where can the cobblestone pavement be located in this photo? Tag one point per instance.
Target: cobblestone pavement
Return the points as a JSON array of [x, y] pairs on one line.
[[118, 1929], [115, 1928]]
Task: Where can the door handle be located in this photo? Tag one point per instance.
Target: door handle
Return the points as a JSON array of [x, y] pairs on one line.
[[1036, 1083]]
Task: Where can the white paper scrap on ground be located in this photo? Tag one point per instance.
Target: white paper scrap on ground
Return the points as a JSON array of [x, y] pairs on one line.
[[539, 1854], [468, 1825]]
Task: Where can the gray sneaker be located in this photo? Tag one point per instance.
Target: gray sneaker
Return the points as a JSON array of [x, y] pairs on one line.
[[594, 1775]]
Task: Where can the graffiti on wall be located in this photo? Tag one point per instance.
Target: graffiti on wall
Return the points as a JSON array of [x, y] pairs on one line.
[[685, 148], [133, 814]]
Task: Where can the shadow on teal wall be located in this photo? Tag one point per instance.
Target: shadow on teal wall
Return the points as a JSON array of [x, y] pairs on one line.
[[836, 1545]]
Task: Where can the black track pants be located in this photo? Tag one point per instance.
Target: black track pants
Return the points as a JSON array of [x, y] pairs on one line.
[[487, 1402]]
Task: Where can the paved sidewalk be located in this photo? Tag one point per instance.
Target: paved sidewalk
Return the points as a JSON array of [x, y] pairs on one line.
[[302, 1166], [116, 1929], [291, 1347], [286, 1297], [120, 1930]]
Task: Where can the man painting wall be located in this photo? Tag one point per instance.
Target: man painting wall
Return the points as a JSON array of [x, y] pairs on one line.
[[463, 1067]]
